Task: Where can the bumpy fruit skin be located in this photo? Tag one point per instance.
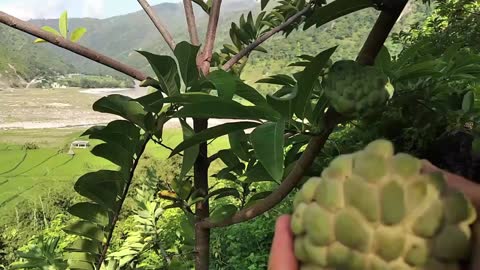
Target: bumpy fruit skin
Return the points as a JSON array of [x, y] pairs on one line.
[[355, 90], [376, 210]]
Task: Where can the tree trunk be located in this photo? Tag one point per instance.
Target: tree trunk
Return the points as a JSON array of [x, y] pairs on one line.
[[202, 235]]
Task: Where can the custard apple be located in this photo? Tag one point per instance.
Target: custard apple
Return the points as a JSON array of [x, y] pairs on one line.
[[376, 210], [355, 90]]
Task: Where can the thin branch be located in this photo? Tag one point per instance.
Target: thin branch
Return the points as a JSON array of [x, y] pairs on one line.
[[371, 48], [192, 27], [158, 23], [116, 216], [71, 46], [247, 50], [206, 56], [213, 157]]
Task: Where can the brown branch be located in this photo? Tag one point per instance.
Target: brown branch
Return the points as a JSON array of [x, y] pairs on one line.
[[247, 50], [71, 46], [378, 35], [192, 27], [158, 23], [206, 56], [372, 46], [290, 182]]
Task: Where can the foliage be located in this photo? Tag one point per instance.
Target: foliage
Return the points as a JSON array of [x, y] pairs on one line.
[[90, 81], [75, 35], [264, 145]]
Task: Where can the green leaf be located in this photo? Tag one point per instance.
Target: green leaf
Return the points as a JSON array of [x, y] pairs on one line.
[[226, 109], [239, 143], [190, 154], [307, 79], [249, 93], [468, 101], [120, 132], [268, 141], [264, 3], [77, 34], [334, 10], [284, 103], [63, 24], [102, 187], [186, 54], [92, 212], [166, 70], [51, 30], [86, 229], [258, 173], [224, 82], [229, 158], [84, 245], [260, 49], [223, 192], [203, 5], [223, 212], [80, 265], [116, 155], [383, 59], [257, 197], [153, 101], [212, 133], [123, 106], [280, 79]]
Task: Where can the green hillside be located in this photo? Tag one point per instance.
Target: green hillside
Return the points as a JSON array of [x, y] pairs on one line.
[[120, 36], [21, 60]]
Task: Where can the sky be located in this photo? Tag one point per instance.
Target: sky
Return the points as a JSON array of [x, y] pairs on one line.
[[46, 9]]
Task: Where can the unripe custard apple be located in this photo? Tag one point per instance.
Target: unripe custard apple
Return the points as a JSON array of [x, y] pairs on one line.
[[355, 90], [376, 210]]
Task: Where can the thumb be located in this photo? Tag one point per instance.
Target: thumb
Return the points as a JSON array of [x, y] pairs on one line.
[[282, 253]]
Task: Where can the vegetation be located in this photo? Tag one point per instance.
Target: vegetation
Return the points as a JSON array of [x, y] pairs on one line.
[[90, 81], [174, 210]]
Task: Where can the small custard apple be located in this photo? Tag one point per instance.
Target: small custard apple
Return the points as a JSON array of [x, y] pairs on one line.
[[355, 90], [376, 210]]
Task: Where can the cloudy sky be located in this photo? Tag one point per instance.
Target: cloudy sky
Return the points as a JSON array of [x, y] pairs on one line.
[[34, 9]]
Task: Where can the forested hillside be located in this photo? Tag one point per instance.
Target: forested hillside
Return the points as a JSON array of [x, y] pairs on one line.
[[120, 36], [21, 61]]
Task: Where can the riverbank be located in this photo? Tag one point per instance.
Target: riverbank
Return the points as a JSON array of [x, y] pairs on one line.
[[62, 108]]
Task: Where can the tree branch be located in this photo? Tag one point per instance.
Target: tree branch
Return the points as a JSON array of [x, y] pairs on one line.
[[372, 47], [378, 35], [206, 56], [158, 23], [247, 50], [71, 46], [290, 182], [192, 27]]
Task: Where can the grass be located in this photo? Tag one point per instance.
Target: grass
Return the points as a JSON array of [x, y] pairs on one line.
[[27, 174]]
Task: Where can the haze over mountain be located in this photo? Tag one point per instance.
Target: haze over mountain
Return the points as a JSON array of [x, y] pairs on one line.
[[120, 36]]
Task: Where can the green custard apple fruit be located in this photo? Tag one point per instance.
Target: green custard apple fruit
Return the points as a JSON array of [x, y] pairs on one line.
[[376, 210], [355, 90]]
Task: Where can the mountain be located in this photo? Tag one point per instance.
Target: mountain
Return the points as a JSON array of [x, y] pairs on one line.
[[21, 61], [120, 36]]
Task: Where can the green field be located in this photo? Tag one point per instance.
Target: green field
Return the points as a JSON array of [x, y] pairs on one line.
[[32, 174]]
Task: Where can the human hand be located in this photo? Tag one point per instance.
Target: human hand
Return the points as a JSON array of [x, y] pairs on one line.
[[282, 256]]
